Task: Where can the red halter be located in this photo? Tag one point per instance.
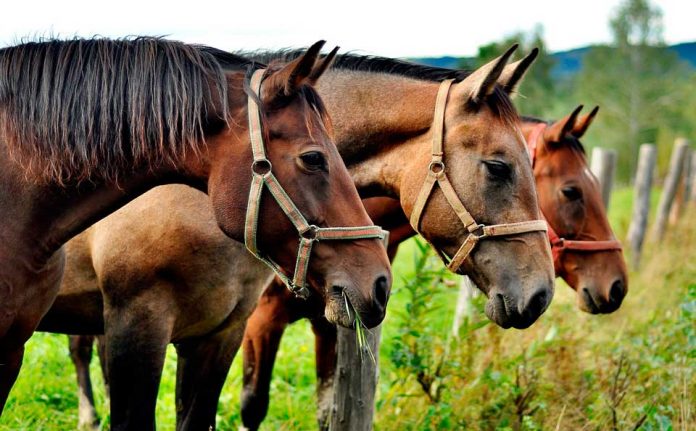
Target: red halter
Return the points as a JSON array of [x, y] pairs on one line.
[[560, 245]]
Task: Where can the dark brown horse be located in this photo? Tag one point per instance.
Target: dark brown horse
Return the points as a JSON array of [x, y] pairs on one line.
[[570, 199], [381, 118], [88, 125]]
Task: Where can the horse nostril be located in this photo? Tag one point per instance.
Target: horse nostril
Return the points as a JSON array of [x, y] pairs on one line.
[[538, 302], [336, 290], [617, 292], [381, 293]]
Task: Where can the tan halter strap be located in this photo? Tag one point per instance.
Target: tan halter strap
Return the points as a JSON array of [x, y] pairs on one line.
[[560, 245], [437, 175], [262, 175]]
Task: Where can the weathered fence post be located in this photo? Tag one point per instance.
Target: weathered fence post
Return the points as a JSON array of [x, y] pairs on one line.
[[681, 198], [641, 201], [467, 291], [355, 383], [670, 187], [603, 166]]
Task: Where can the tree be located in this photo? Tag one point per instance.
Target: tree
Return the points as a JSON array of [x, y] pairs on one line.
[[639, 84]]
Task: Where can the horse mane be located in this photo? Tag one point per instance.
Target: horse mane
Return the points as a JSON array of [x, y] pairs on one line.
[[93, 108], [499, 102], [570, 141]]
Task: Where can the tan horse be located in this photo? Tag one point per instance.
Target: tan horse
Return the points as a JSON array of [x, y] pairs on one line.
[[88, 125], [383, 127]]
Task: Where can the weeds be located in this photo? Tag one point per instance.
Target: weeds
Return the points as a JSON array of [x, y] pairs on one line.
[[566, 372]]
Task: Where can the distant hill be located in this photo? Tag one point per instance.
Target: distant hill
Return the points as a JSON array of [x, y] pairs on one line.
[[569, 62]]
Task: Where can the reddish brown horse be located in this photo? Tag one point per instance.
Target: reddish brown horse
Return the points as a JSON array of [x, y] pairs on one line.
[[88, 125], [571, 202], [381, 119]]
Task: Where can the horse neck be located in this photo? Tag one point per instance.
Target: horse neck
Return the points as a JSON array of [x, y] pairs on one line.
[[43, 216], [378, 119]]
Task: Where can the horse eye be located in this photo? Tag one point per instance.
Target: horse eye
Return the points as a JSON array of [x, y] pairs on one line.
[[572, 193], [498, 170], [314, 160]]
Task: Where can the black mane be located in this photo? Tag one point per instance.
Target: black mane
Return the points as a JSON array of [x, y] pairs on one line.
[[499, 102], [367, 63], [91, 108]]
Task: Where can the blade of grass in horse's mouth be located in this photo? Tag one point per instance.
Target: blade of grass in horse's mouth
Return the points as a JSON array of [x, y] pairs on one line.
[[360, 331]]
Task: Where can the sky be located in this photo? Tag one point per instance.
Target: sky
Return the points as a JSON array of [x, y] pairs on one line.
[[390, 28]]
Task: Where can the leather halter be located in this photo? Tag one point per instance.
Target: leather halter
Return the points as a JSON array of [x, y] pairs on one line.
[[437, 175], [560, 245], [261, 170]]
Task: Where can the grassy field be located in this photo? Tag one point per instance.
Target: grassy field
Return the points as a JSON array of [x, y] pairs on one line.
[[632, 369]]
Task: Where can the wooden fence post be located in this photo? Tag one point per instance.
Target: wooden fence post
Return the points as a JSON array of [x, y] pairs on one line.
[[670, 187], [355, 383], [692, 181], [467, 291], [603, 166], [641, 201], [681, 198]]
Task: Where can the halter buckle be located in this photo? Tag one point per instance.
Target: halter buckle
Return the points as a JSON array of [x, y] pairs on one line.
[[261, 167]]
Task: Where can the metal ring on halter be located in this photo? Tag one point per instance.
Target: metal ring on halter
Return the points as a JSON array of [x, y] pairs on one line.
[[261, 166], [311, 233], [479, 231], [436, 167]]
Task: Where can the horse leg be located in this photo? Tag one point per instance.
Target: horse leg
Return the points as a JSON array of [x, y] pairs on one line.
[[136, 339], [101, 352], [261, 340], [81, 355], [10, 363], [201, 369], [22, 305], [325, 351]]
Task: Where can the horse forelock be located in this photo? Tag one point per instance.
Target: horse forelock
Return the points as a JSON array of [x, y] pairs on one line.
[[72, 110], [314, 111]]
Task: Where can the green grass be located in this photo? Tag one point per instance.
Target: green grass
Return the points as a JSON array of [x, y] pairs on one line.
[[558, 374]]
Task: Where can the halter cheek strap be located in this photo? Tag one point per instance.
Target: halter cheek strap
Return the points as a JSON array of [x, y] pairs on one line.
[[560, 245], [262, 175], [437, 175]]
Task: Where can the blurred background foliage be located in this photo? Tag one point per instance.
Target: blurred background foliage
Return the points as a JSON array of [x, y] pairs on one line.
[[646, 90]]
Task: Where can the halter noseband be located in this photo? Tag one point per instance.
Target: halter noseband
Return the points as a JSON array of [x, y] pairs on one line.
[[261, 170], [437, 174], [559, 245]]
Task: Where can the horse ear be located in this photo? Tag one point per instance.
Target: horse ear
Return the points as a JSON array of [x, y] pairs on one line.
[[513, 73], [481, 83], [557, 131], [293, 75], [583, 123], [321, 66]]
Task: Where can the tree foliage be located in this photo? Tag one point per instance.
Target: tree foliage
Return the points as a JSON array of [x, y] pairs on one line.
[[645, 93], [641, 87]]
